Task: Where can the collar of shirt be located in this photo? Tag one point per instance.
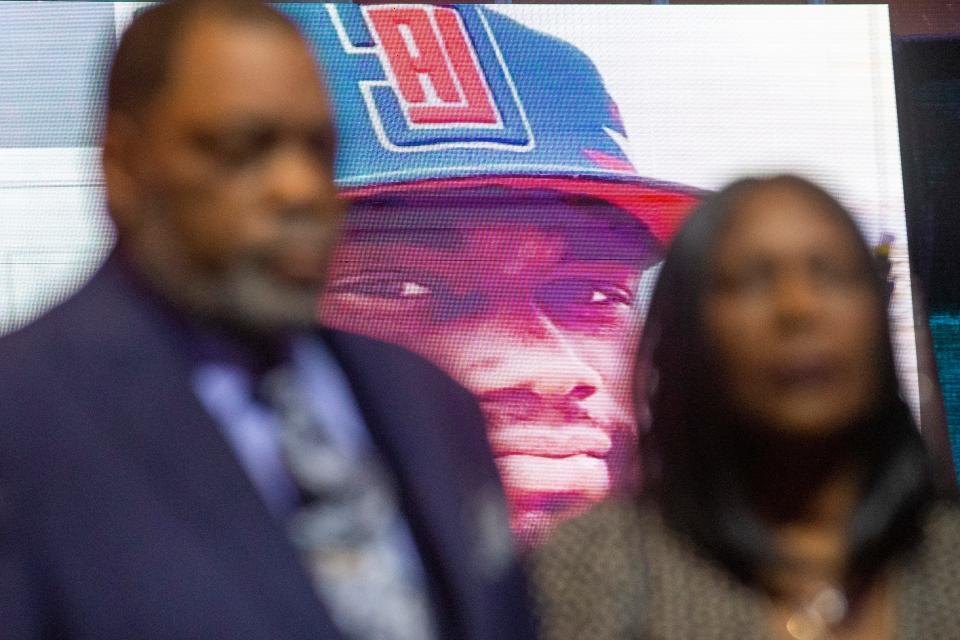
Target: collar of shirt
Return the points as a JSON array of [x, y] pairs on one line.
[[224, 382]]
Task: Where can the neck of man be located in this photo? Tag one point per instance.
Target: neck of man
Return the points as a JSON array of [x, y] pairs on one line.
[[215, 337]]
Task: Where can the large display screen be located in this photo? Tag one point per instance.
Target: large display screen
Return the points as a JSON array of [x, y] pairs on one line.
[[515, 171]]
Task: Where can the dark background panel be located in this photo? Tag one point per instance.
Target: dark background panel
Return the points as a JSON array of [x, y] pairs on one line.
[[928, 101]]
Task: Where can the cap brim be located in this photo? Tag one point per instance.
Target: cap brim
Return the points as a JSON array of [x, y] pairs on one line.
[[661, 207]]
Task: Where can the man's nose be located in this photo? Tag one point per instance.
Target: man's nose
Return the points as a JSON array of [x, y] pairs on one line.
[[299, 179], [536, 356]]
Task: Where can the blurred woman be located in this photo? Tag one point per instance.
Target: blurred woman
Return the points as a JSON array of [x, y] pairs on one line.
[[788, 493]]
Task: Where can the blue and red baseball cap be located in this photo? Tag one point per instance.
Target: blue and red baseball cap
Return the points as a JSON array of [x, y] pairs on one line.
[[454, 96]]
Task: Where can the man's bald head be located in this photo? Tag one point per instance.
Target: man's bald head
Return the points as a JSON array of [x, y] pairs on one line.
[[144, 57]]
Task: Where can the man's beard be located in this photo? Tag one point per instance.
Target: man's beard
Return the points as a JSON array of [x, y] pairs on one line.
[[546, 487], [247, 293], [247, 296]]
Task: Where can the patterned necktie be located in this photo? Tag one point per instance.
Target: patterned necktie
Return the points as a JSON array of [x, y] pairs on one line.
[[349, 529]]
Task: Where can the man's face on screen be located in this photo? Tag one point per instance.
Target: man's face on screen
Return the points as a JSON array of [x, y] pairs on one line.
[[532, 305]]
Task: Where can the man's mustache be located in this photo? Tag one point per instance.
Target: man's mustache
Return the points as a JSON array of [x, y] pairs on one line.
[[507, 407]]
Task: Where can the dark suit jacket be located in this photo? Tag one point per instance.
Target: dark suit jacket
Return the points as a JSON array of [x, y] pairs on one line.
[[124, 514]]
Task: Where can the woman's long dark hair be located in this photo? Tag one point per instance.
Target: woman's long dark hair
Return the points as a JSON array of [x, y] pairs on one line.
[[690, 447]]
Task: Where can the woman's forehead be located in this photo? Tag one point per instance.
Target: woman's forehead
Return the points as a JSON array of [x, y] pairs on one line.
[[785, 217]]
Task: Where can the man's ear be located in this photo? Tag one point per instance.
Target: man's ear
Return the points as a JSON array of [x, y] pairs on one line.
[[119, 162]]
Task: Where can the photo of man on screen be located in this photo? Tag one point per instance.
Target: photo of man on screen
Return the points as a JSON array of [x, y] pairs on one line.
[[503, 209], [499, 229], [527, 299]]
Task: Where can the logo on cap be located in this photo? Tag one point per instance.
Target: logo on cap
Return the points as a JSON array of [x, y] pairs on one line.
[[444, 81]]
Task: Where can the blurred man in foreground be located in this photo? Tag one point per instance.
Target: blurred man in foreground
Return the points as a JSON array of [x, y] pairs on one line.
[[182, 453]]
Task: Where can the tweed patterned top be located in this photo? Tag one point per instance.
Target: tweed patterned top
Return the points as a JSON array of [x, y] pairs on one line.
[[618, 573]]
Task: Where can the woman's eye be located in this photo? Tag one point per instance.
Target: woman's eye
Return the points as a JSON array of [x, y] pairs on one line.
[[837, 273], [753, 278]]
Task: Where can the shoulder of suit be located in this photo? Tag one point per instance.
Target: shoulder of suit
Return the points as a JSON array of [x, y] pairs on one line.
[[87, 314], [943, 526], [937, 555], [610, 542], [937, 559], [612, 523], [929, 579], [38, 349], [48, 366], [586, 578], [602, 543], [620, 571]]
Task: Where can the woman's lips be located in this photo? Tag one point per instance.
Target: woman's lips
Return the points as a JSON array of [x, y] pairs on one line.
[[804, 374]]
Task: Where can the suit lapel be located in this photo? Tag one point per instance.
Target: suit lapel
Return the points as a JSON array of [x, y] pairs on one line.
[[413, 436], [188, 463]]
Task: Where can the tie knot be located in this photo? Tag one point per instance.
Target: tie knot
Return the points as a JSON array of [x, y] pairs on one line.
[[321, 468]]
